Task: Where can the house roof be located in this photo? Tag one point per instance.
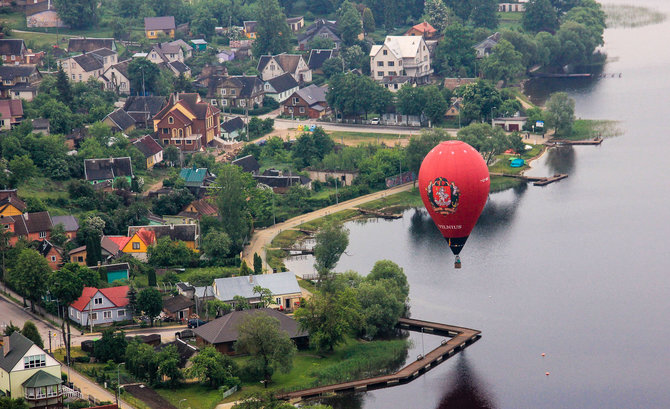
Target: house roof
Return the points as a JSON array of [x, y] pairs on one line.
[[32, 223], [185, 351], [294, 19], [194, 175], [113, 244], [282, 180], [203, 207], [78, 250], [224, 329], [117, 295], [148, 146], [150, 104], [314, 28], [278, 284], [180, 67], [40, 123], [489, 42], [313, 94], [41, 379], [10, 108], [13, 201], [318, 57], [283, 83], [182, 232], [400, 46], [85, 45], [199, 41], [181, 43], [121, 119], [247, 163], [45, 247], [250, 26], [12, 46], [233, 125], [159, 23], [18, 346], [177, 303], [13, 71], [121, 67], [425, 28], [89, 62], [69, 222], [287, 62], [111, 267], [107, 168]]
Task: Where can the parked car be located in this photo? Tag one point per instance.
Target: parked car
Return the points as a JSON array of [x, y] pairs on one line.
[[374, 121], [195, 323]]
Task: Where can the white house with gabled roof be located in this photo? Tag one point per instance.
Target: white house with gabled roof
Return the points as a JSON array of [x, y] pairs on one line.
[[404, 56]]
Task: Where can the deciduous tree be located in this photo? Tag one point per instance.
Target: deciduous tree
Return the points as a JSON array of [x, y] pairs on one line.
[[30, 331], [560, 113], [273, 33], [349, 23], [504, 63], [540, 15], [150, 302], [29, 275], [331, 241], [213, 368], [77, 13]]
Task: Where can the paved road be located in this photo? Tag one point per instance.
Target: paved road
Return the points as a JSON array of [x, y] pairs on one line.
[[261, 238]]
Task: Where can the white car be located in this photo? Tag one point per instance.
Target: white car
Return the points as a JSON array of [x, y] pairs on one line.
[[374, 121]]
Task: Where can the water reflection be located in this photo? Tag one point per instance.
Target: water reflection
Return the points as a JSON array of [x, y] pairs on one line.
[[466, 390], [539, 89], [348, 401], [561, 159], [498, 214]]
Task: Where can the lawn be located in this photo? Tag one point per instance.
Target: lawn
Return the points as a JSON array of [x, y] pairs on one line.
[[356, 138], [509, 20], [338, 217], [399, 200], [196, 395], [591, 128]]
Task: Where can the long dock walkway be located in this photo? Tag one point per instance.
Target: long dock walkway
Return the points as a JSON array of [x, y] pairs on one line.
[[537, 180], [460, 339]]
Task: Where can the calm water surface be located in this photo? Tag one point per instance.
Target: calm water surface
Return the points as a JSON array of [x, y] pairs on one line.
[[578, 270]]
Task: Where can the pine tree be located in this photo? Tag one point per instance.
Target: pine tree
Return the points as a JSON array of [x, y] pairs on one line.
[[273, 34], [368, 21], [151, 276], [93, 250], [63, 86], [258, 264]]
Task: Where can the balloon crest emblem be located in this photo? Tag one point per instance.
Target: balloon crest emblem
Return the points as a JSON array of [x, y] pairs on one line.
[[443, 196]]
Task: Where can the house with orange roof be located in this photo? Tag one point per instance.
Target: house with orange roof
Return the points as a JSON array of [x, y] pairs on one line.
[[136, 245], [101, 306], [194, 212], [10, 204], [424, 30], [188, 233]]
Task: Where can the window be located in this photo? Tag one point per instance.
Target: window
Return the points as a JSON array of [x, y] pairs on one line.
[[34, 361], [136, 246], [400, 62], [97, 301], [392, 73], [13, 57], [395, 86], [302, 110], [170, 120], [43, 234], [214, 102], [380, 73], [166, 141], [123, 85], [180, 132], [391, 63], [385, 52], [53, 258], [73, 77], [80, 259], [296, 100], [224, 102], [121, 313], [290, 110], [380, 63], [166, 130], [94, 316], [232, 92], [188, 142], [223, 91], [78, 315], [278, 301], [177, 142], [243, 103], [151, 33], [107, 314]]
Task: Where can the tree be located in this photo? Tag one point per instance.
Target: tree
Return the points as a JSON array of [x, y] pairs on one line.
[[479, 100], [218, 308], [171, 154], [504, 63], [540, 15], [217, 245], [93, 250], [10, 329], [63, 86], [203, 22], [332, 66], [437, 13], [419, 146], [58, 235], [368, 21], [213, 368], [231, 201], [273, 34], [9, 403], [141, 360], [110, 347], [150, 302], [560, 113], [22, 168], [264, 296], [66, 286], [29, 275], [381, 305], [563, 6], [258, 264], [455, 55], [77, 14], [240, 302], [487, 140], [30, 331], [484, 13], [321, 43], [168, 366], [329, 317], [435, 106], [5, 235], [388, 270], [349, 23], [269, 346], [331, 241], [143, 75], [170, 253]]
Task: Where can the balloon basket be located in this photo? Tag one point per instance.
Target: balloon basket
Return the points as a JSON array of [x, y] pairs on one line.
[[457, 262]]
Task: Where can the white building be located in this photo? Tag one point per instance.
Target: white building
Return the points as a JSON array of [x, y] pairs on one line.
[[405, 56]]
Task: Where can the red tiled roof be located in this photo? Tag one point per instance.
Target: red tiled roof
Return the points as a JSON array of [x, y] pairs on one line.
[[117, 295], [86, 296], [120, 241], [147, 236], [424, 28]]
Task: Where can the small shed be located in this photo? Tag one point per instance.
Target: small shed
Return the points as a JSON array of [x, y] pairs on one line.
[[199, 44], [512, 124]]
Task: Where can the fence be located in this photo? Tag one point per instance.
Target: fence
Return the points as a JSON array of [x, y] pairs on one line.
[[405, 177]]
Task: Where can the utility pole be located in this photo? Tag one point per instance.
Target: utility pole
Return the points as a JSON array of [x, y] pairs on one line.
[[49, 342]]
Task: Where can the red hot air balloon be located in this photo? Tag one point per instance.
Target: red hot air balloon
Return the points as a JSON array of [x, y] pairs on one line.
[[454, 184]]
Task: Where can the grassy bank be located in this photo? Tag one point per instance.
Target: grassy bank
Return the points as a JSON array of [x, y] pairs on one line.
[[593, 128], [355, 138], [405, 199]]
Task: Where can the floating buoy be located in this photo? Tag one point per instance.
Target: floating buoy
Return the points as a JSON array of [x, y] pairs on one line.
[[543, 354], [546, 373]]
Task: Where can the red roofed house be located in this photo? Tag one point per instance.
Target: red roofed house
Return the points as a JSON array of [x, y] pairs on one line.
[[194, 212], [424, 30], [105, 306], [11, 111], [187, 122], [152, 151], [32, 226]]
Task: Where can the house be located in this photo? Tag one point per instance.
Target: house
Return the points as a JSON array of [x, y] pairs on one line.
[[42, 14], [187, 122], [70, 225], [195, 211], [19, 81], [320, 28], [10, 204], [196, 178], [111, 246], [248, 164], [166, 52], [394, 84], [272, 66], [89, 65], [317, 58], [401, 56], [53, 254], [41, 125], [511, 7], [231, 128], [225, 55], [119, 121], [424, 30], [32, 227], [151, 150], [241, 48], [186, 47], [176, 68], [307, 102], [143, 109], [113, 272], [485, 48], [12, 51], [222, 332], [78, 255], [210, 73], [454, 110], [199, 44], [344, 177], [249, 29], [100, 306], [28, 372], [281, 87], [101, 170], [178, 307], [296, 23], [281, 183], [236, 91], [116, 78], [511, 124], [11, 113], [154, 26], [188, 233], [81, 45]]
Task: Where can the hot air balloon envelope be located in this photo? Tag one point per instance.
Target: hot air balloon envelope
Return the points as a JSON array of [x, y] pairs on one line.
[[454, 184]]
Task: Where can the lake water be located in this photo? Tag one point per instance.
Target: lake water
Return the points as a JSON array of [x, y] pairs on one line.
[[578, 270]]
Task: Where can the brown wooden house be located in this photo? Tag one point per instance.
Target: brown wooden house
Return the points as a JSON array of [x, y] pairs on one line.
[[187, 122], [307, 102]]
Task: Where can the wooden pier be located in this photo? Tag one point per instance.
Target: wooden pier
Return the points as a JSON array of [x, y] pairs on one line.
[[298, 251], [537, 180], [552, 179], [595, 141], [377, 213], [460, 338]]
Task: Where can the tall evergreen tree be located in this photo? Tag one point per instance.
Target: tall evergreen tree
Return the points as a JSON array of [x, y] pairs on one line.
[[349, 23], [273, 34], [63, 86], [368, 21], [93, 250]]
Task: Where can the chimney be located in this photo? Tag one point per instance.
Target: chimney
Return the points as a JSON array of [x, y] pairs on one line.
[[5, 345], [251, 279], [26, 216]]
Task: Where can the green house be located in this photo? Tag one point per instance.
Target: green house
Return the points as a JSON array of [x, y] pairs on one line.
[[114, 272], [199, 44], [195, 177]]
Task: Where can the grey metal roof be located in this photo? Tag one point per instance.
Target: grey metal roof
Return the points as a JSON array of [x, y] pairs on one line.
[[278, 284], [159, 23], [224, 329], [121, 119], [18, 346], [200, 291], [69, 222], [283, 83]]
